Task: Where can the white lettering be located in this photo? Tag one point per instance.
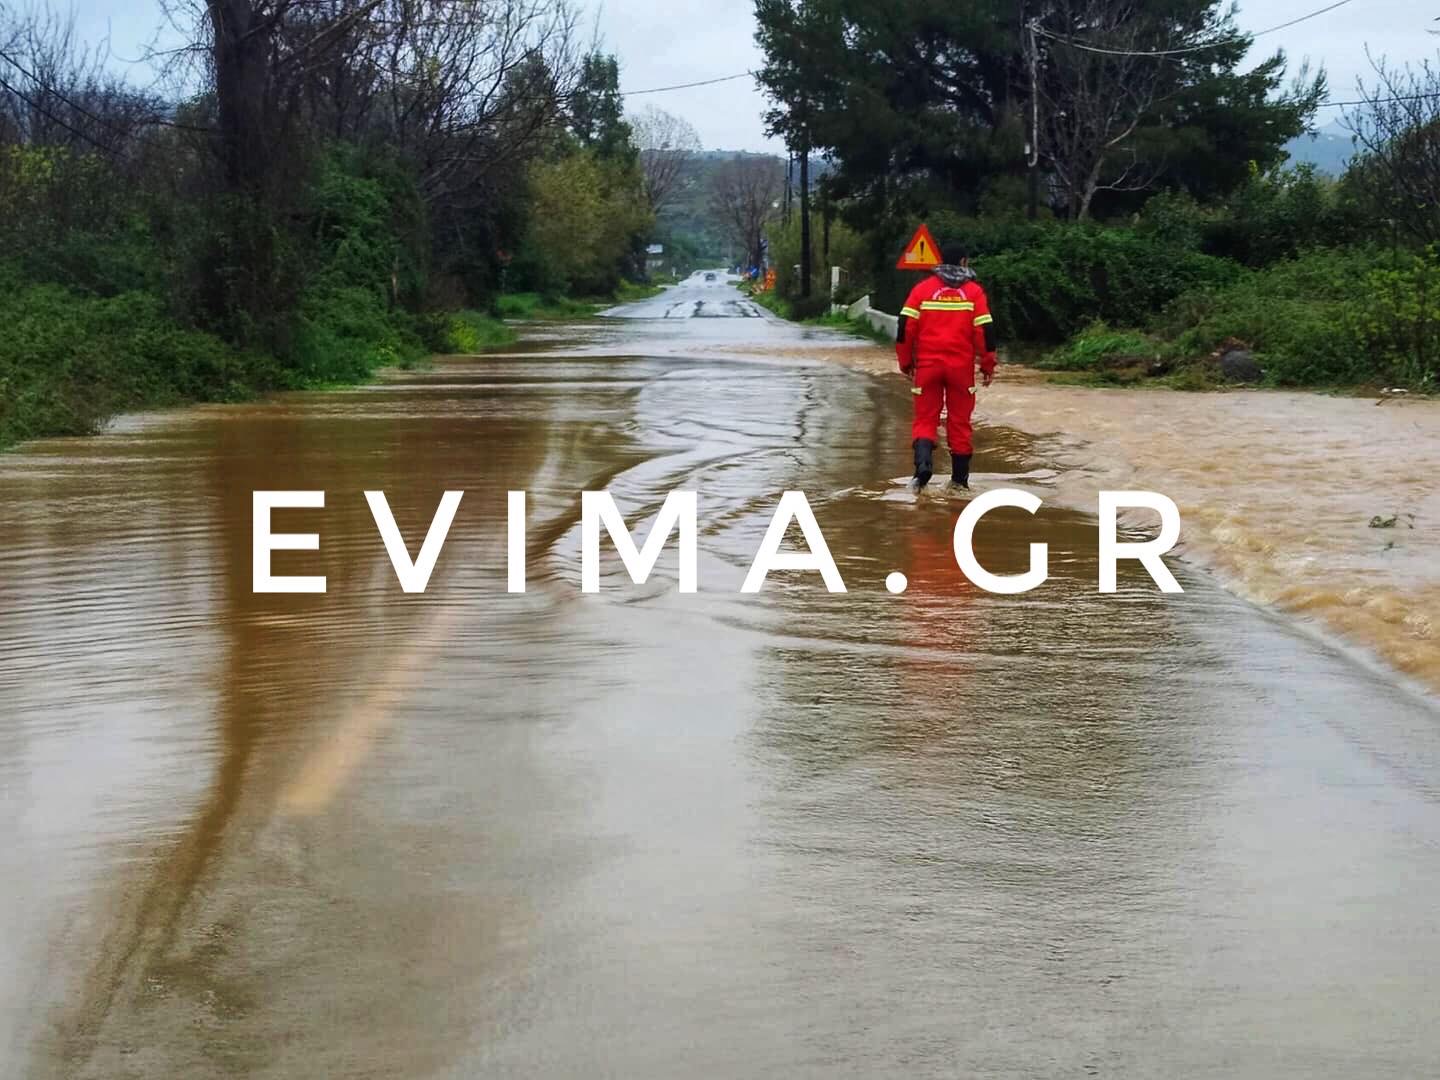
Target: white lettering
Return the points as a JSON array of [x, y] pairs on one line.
[[264, 541], [598, 507], [974, 510], [793, 507], [413, 576], [1148, 551]]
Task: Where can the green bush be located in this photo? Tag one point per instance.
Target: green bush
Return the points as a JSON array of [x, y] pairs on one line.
[[469, 332], [67, 217], [1273, 216], [584, 229], [771, 300], [69, 361], [1277, 216], [1398, 320], [1356, 315], [1048, 280], [858, 327], [630, 290], [1097, 346], [366, 224], [1075, 275], [350, 319], [1297, 339], [1175, 220], [1326, 318], [345, 334], [848, 249], [533, 305]]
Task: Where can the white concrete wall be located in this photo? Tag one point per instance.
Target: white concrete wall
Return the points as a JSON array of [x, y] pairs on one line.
[[881, 321], [861, 309]]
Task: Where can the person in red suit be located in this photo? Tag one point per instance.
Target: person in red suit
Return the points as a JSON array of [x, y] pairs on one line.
[[945, 331]]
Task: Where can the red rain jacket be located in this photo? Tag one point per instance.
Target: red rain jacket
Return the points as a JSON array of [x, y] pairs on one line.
[[943, 324]]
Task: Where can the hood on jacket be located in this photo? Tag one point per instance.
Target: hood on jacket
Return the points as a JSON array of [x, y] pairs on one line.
[[954, 276]]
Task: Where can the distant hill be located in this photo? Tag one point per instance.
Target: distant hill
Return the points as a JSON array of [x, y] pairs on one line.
[[1329, 149]]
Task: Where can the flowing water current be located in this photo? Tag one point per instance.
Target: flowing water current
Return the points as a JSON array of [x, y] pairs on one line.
[[643, 834]]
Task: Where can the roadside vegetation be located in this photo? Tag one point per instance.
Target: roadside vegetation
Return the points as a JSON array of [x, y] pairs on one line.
[[342, 187], [534, 305], [858, 327], [776, 302], [1165, 238], [470, 332]]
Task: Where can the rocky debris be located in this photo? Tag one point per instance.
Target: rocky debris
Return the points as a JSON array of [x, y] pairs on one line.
[[1236, 362]]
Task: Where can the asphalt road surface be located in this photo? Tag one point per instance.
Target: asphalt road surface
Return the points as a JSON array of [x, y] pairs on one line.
[[696, 298], [639, 834]]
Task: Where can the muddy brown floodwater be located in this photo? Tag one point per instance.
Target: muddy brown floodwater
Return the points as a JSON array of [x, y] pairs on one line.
[[642, 834], [1281, 492]]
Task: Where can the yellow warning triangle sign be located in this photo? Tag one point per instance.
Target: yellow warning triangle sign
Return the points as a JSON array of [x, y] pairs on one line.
[[921, 253]]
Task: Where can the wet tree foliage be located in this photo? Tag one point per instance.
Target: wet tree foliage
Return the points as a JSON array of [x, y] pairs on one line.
[[311, 190]]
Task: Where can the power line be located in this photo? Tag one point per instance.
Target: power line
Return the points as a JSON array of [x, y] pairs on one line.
[[1377, 101], [123, 133], [40, 83], [1236, 40], [51, 116], [686, 86], [1131, 52], [1302, 18], [1064, 40]]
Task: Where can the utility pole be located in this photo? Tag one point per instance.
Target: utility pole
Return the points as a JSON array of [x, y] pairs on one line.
[[826, 211], [1032, 146], [789, 188], [805, 270]]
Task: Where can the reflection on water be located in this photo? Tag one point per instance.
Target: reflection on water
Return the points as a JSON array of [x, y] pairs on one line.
[[468, 832]]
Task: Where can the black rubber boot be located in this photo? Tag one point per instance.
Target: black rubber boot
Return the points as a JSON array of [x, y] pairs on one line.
[[924, 458], [960, 470]]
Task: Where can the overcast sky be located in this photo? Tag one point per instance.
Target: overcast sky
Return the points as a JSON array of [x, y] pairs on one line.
[[663, 42]]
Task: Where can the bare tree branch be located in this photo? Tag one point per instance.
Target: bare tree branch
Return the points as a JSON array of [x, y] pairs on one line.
[[1398, 128], [744, 196], [1095, 101], [666, 143]]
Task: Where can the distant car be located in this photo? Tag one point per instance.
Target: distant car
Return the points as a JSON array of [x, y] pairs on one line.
[[710, 277]]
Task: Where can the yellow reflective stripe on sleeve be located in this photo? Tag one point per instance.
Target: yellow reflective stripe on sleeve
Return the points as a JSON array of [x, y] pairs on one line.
[[910, 311], [947, 305], [981, 320]]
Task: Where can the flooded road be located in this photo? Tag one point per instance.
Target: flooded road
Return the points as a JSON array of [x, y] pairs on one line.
[[470, 833]]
